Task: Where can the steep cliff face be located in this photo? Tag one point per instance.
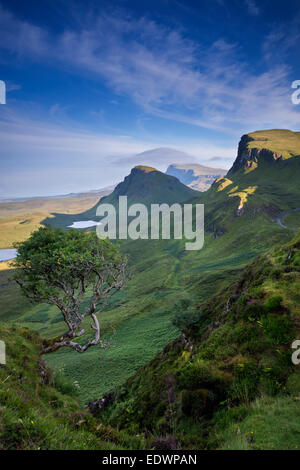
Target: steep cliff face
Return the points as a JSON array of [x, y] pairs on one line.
[[248, 157], [194, 175], [262, 183], [265, 146]]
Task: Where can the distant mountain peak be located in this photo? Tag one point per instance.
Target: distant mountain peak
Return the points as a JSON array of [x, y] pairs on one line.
[[194, 175]]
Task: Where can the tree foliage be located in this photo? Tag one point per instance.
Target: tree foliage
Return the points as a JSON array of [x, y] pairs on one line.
[[68, 269]]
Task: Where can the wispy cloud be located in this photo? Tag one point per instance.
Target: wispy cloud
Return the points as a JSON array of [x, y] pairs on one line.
[[282, 41], [252, 7], [164, 72], [51, 159]]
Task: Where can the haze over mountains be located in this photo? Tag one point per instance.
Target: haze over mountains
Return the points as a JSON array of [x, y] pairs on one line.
[[92, 192], [179, 164], [194, 175]]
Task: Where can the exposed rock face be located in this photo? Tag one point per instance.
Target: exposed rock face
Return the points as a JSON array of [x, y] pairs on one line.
[[248, 157], [97, 405], [194, 175]]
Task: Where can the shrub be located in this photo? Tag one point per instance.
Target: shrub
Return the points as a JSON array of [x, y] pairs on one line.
[[277, 329], [65, 385], [273, 304], [246, 377]]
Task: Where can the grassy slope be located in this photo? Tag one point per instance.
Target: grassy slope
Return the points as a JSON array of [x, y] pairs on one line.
[[36, 412], [143, 185], [292, 220], [164, 273], [142, 313], [233, 371], [282, 141], [245, 355]]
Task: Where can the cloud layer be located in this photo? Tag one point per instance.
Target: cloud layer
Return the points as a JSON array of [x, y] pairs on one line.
[[207, 84], [165, 72]]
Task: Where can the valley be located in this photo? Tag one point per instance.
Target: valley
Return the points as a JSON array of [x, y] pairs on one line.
[[149, 230], [168, 290], [18, 219]]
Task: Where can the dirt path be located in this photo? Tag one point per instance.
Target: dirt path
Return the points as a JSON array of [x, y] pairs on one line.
[[279, 219]]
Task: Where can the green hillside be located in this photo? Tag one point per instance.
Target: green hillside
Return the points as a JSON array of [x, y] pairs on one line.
[[269, 145], [147, 186], [281, 141], [39, 410], [230, 376], [144, 185], [164, 273], [241, 222], [260, 183]]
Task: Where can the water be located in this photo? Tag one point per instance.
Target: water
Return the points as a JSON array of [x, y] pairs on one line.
[[7, 254], [84, 224], [10, 253]]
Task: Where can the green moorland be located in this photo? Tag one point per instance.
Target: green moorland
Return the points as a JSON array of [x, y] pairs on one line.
[[229, 382], [168, 285], [292, 220], [138, 321], [40, 411]]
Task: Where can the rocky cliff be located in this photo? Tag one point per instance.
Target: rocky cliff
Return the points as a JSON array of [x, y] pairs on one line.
[[265, 146], [194, 175]]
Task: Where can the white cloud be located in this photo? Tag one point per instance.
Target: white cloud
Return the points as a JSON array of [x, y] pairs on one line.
[[39, 158], [160, 69], [166, 73]]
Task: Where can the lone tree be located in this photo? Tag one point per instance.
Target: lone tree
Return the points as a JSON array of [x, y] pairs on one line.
[[67, 268]]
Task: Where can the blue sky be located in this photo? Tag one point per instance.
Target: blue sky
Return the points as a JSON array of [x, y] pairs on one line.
[[92, 84]]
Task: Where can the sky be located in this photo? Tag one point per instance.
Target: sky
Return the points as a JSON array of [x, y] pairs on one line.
[[93, 87]]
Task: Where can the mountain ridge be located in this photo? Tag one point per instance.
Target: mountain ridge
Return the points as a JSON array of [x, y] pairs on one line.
[[269, 145], [194, 175], [144, 185], [147, 185]]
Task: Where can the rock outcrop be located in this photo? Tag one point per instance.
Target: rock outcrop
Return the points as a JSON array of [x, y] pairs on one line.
[[248, 157], [195, 176]]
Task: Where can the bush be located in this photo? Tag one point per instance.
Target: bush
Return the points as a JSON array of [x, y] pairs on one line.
[[65, 385], [293, 384], [277, 329], [246, 377], [273, 304]]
